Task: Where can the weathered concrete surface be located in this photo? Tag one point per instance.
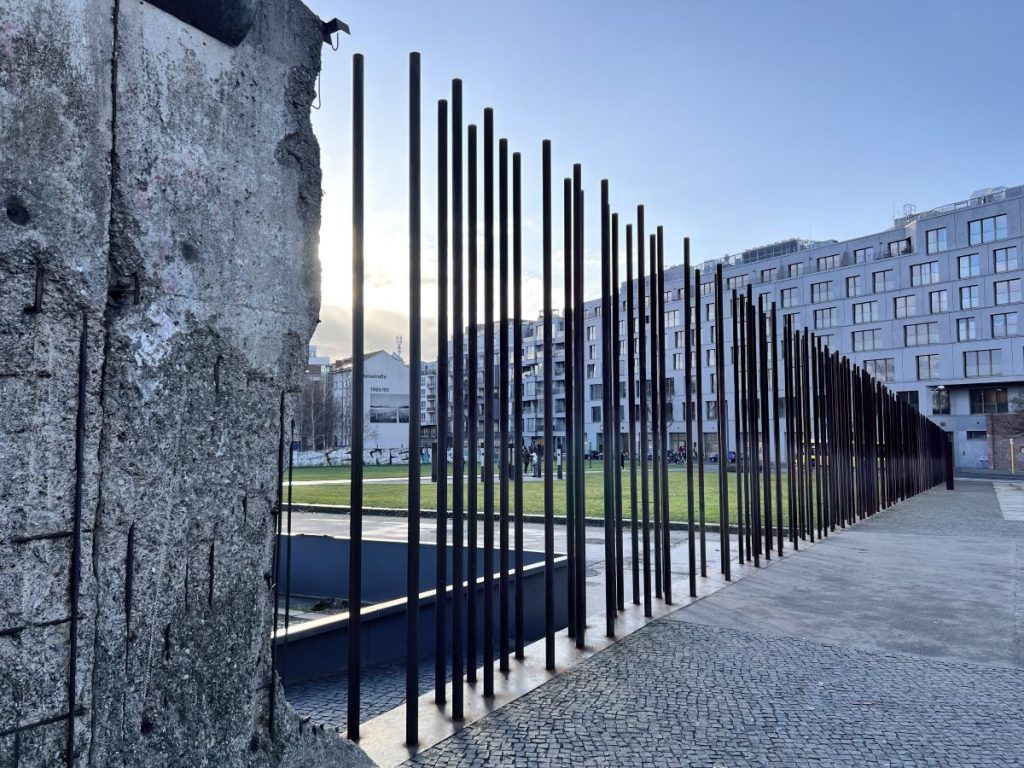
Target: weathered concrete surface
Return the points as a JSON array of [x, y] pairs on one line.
[[163, 190]]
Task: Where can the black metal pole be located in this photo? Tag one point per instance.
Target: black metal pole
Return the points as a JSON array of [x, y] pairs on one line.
[[689, 333], [723, 427], [699, 409], [607, 417], [620, 557], [355, 561], [517, 394], [642, 355], [766, 472], [775, 427], [488, 402], [412, 566], [666, 512], [752, 431], [656, 401], [458, 407], [503, 408], [275, 567], [569, 442], [631, 355], [737, 417], [288, 540], [578, 370], [441, 459], [549, 404], [472, 432]]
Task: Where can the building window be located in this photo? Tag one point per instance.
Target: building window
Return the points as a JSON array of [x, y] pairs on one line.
[[969, 297], [1008, 291], [982, 362], [591, 371], [595, 391], [911, 397], [924, 274], [969, 265], [864, 341], [865, 312], [767, 275], [938, 302], [680, 339], [927, 367], [905, 306], [825, 318], [1004, 325], [591, 332], [987, 230], [828, 262], [713, 378], [678, 361], [854, 286], [900, 247], [883, 369], [936, 240], [1006, 259], [882, 281], [821, 292], [737, 282], [592, 352], [595, 414], [788, 297], [672, 318], [977, 434], [916, 334], [863, 255], [989, 400], [711, 410], [709, 357], [709, 311], [706, 289], [940, 402], [966, 329], [795, 270]]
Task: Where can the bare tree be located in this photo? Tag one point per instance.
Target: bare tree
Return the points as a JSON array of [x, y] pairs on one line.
[[317, 413]]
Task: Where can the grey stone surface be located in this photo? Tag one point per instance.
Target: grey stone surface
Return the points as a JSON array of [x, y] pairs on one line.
[[681, 694], [895, 643], [163, 191], [900, 581]]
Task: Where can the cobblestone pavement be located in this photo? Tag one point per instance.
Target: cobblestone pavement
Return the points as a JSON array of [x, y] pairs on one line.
[[678, 694], [896, 643]]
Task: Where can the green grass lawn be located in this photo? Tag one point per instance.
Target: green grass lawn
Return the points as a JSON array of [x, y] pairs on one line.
[[395, 495]]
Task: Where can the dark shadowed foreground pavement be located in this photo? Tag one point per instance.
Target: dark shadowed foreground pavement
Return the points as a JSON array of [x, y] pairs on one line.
[[899, 642]]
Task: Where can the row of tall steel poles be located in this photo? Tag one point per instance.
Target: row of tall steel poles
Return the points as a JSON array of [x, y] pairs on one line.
[[852, 446]]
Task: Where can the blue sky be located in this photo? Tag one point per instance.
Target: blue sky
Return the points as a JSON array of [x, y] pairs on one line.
[[735, 123]]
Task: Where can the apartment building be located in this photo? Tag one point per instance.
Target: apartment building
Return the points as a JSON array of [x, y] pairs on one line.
[[931, 306]]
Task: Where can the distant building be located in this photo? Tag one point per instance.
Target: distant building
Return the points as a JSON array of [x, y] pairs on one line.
[[931, 306]]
